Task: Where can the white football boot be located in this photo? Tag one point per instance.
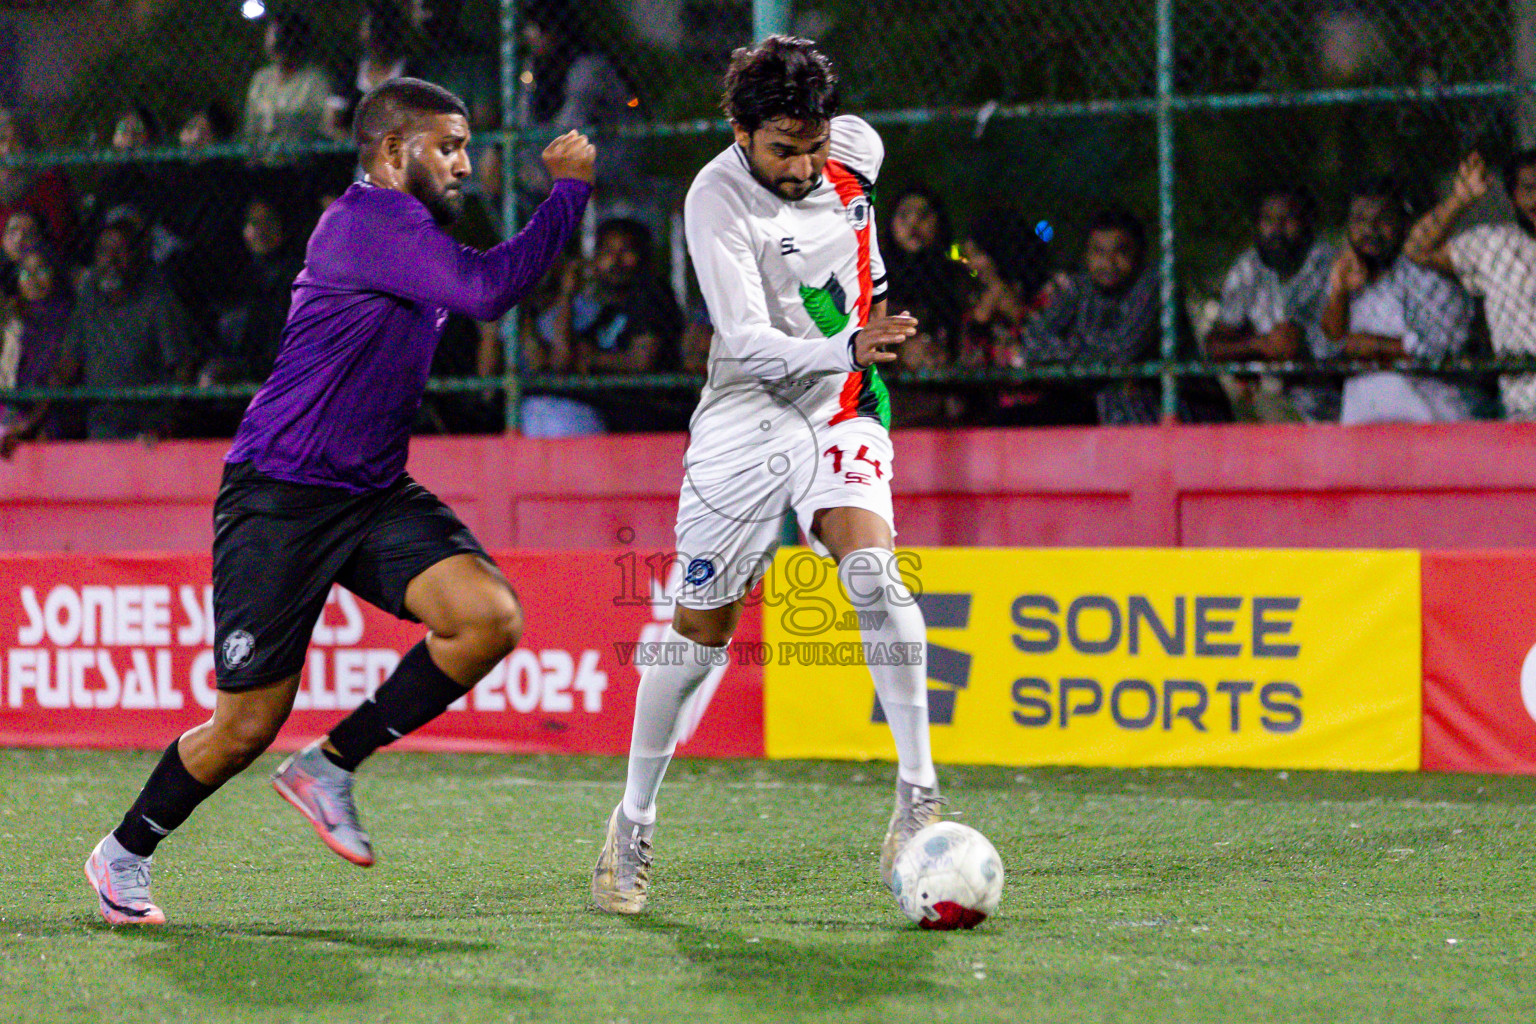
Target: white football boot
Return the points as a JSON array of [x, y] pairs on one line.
[[623, 871], [322, 792], [121, 881], [916, 809]]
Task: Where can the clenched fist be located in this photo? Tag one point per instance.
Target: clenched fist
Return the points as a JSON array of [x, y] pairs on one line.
[[570, 156]]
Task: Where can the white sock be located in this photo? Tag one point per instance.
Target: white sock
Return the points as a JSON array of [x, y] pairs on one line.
[[890, 615], [664, 688]]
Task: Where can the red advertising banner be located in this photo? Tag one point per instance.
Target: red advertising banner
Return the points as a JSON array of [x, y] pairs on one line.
[[117, 651], [1480, 662]]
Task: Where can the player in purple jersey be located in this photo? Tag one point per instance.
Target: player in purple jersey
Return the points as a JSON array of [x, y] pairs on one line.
[[315, 490]]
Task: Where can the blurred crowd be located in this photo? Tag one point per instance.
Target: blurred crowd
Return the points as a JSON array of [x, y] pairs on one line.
[[150, 270]]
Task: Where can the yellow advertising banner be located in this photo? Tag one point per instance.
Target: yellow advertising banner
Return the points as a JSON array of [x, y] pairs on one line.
[[1133, 657]]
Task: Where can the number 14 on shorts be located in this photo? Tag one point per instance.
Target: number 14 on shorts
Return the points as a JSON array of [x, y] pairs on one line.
[[854, 475]]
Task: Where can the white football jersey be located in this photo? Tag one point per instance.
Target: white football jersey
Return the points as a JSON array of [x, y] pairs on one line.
[[787, 284]]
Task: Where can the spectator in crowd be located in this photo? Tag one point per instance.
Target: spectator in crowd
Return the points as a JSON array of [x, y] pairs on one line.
[[209, 125], [206, 214], [463, 65], [613, 316], [927, 351], [145, 192], [249, 333], [22, 234], [1111, 313], [921, 272], [136, 128], [1496, 261], [127, 329], [1009, 263], [546, 350], [1383, 307], [381, 36], [31, 343], [46, 193], [286, 103], [572, 84], [1272, 303]]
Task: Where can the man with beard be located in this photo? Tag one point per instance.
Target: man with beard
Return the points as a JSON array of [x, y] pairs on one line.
[[1496, 261], [1272, 301], [315, 490], [1382, 307], [127, 330]]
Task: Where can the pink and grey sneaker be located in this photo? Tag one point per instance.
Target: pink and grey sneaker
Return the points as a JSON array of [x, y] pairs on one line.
[[121, 881], [322, 792]]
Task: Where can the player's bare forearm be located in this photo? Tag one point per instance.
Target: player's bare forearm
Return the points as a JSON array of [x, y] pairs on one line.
[[1227, 341], [488, 350], [1364, 345], [1336, 316], [639, 356], [562, 355]]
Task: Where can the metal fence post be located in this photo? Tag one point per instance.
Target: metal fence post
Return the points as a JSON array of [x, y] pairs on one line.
[[769, 17], [511, 391], [1165, 203]]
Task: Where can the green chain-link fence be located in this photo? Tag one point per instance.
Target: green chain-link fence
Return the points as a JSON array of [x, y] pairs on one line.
[[217, 128]]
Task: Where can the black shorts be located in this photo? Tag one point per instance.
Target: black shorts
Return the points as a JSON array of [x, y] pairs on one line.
[[278, 547]]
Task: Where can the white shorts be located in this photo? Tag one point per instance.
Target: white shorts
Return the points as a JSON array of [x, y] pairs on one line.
[[730, 516]]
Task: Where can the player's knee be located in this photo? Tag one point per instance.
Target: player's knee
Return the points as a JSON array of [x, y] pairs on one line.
[[243, 740], [497, 625], [705, 634]]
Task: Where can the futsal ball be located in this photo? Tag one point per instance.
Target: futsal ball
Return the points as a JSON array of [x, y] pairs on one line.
[[948, 876]]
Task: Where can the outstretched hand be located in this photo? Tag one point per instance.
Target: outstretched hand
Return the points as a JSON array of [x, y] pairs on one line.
[[869, 344], [570, 156], [1471, 179]]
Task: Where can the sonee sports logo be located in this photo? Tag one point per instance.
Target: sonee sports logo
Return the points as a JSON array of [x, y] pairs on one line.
[[237, 649], [945, 665], [700, 571]]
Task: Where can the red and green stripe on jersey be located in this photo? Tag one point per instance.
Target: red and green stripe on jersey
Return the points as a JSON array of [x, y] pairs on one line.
[[863, 392]]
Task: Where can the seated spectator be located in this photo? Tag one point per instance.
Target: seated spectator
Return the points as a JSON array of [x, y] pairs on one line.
[[614, 316], [1496, 261], [249, 333], [381, 36], [464, 65], [1272, 302], [22, 234], [1009, 263], [127, 329], [47, 193], [145, 192], [927, 351], [209, 125], [286, 103], [210, 194], [1111, 313], [1382, 306], [572, 84], [916, 246], [31, 343]]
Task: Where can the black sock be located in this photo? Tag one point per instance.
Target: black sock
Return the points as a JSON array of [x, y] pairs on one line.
[[167, 799], [416, 693]]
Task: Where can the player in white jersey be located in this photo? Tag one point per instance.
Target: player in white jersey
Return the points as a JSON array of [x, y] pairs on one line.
[[780, 228]]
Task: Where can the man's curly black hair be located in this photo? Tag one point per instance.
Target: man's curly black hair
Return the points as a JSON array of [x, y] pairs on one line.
[[781, 77]]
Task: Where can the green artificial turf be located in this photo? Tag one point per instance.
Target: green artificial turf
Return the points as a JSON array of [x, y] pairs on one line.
[[1135, 896]]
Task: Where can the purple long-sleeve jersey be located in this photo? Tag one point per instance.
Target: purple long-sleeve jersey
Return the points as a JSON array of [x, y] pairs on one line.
[[379, 280]]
